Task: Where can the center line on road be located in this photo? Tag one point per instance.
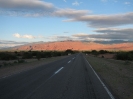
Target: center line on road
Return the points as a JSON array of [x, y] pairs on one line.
[[69, 61], [73, 57], [59, 70]]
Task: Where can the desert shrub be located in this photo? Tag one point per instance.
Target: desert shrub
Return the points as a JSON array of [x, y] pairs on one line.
[[55, 53], [27, 55], [39, 56], [94, 52], [86, 52], [5, 64], [103, 51], [124, 56], [15, 62], [102, 56], [21, 61], [34, 53], [7, 56], [47, 54], [69, 51]]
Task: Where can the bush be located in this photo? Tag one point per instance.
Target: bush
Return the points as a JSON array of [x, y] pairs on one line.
[[27, 55], [0, 65], [15, 62], [69, 51], [21, 61], [94, 52], [102, 56], [103, 51], [5, 64], [124, 56], [7, 56], [38, 56]]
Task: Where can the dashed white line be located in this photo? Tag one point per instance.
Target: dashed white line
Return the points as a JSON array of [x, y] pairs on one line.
[[69, 61], [109, 93], [73, 57], [59, 70]]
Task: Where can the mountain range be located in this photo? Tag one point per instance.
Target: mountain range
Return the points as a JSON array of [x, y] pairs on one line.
[[74, 45]]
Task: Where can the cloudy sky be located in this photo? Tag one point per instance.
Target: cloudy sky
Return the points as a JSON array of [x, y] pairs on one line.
[[55, 20]]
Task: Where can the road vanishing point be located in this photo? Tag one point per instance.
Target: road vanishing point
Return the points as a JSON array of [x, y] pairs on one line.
[[68, 78]]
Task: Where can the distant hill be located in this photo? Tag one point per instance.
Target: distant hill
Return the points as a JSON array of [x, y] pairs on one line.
[[75, 45]]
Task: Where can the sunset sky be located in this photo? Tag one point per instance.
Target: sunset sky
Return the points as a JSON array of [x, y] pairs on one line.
[[23, 21]]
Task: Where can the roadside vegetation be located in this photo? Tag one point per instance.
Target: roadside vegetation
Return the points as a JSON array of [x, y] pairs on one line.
[[12, 58], [16, 57], [119, 55]]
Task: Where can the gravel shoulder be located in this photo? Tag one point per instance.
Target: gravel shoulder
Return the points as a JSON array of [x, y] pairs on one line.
[[117, 74], [10, 70]]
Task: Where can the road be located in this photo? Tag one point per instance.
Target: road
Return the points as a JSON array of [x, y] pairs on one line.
[[68, 78]]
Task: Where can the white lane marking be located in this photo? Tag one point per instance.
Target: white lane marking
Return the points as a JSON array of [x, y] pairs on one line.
[[59, 70], [109, 93], [43, 83], [69, 61], [73, 57]]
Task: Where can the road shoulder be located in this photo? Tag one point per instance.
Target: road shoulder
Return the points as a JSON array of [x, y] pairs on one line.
[[118, 75]]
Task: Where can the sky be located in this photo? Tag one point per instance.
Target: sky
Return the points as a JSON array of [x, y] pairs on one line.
[[25, 21]]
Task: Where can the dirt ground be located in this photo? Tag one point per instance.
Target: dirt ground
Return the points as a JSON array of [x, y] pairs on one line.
[[117, 74], [31, 63], [107, 55]]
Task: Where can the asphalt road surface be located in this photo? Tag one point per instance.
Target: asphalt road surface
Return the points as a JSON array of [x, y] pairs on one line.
[[68, 78]]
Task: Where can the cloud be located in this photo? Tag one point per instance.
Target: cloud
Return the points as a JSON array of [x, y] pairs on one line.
[[114, 33], [106, 34], [26, 36], [102, 34], [85, 37], [80, 35], [6, 43], [36, 8], [70, 13], [127, 3], [17, 35], [26, 5], [64, 0], [66, 32], [23, 7], [61, 38], [101, 21], [115, 30], [76, 3]]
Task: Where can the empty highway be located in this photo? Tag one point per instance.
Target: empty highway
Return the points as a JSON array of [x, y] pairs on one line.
[[69, 78]]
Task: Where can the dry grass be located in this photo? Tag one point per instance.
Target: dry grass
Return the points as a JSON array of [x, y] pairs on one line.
[[117, 74]]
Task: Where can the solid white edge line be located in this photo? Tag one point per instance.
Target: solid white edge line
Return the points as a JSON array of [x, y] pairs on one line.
[[109, 93]]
